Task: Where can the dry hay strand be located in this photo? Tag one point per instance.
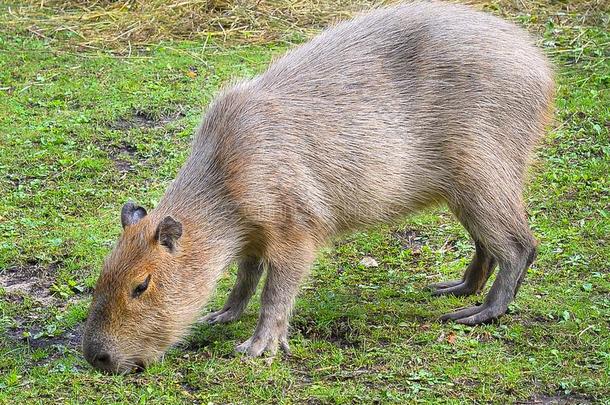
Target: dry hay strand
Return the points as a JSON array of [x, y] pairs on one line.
[[119, 25]]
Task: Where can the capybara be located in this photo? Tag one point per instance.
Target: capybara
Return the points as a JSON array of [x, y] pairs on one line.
[[370, 121]]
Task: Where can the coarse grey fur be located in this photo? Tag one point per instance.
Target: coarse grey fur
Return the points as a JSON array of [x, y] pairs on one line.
[[376, 118], [370, 121]]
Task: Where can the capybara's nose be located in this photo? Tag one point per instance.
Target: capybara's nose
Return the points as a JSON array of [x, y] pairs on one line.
[[98, 356], [102, 361]]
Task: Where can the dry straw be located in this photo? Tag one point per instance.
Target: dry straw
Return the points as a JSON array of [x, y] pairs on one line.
[[119, 25]]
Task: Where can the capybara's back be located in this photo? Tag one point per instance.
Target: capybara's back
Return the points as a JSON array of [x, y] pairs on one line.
[[387, 113], [373, 119]]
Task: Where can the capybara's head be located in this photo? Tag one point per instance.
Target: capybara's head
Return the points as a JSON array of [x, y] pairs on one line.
[[143, 301]]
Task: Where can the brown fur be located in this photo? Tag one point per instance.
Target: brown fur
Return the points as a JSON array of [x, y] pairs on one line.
[[370, 121]]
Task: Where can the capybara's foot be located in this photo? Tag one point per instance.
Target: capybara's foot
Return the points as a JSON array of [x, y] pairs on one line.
[[454, 287], [475, 315], [225, 315], [264, 342]]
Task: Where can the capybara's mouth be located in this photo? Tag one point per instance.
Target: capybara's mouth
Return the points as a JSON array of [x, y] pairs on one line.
[[130, 367], [140, 365]]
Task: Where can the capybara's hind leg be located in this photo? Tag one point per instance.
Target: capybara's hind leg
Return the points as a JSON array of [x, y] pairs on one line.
[[499, 222], [502, 292], [474, 279], [248, 275]]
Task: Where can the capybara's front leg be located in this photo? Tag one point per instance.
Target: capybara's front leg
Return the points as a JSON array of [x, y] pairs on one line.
[[248, 274], [281, 287]]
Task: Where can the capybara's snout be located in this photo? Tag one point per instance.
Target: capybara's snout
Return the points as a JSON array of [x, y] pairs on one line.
[[98, 355], [103, 354]]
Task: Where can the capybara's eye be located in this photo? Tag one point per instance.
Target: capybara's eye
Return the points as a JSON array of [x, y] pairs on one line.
[[141, 288]]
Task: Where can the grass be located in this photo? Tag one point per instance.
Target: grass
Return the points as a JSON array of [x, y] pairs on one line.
[[84, 129]]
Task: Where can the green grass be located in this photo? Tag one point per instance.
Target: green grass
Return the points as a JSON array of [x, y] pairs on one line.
[[81, 133]]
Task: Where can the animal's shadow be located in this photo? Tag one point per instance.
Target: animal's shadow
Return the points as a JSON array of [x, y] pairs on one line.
[[335, 318]]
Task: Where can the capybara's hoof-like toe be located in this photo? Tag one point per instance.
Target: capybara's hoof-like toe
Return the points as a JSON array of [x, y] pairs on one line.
[[443, 284], [222, 316], [256, 346], [455, 287], [475, 315]]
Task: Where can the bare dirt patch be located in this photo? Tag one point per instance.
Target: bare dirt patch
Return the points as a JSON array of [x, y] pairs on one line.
[[17, 179], [35, 337], [34, 281], [122, 155], [144, 119]]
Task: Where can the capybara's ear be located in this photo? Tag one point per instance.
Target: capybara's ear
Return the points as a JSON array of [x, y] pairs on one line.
[[168, 232], [131, 214]]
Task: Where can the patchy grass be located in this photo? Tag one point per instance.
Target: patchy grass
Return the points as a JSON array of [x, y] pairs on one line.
[[82, 132]]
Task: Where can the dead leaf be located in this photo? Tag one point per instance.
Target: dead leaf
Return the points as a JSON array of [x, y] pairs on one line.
[[192, 73], [368, 261]]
